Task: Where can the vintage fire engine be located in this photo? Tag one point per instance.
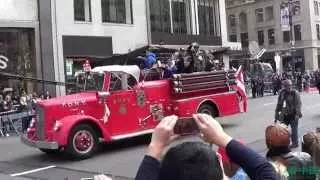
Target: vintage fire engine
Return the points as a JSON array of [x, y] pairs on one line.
[[117, 104]]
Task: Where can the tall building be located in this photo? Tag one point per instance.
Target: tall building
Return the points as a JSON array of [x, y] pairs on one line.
[[259, 20], [66, 32]]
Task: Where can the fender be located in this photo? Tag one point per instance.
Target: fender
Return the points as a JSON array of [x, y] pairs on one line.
[[210, 101], [62, 135]]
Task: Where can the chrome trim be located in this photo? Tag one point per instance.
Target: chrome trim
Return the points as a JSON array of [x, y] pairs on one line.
[[40, 123], [124, 136], [39, 144]]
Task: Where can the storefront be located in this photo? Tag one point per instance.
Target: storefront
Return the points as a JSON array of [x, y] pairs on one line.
[[78, 49], [18, 58]]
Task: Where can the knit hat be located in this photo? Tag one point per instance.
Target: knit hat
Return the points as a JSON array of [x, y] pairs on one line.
[[277, 135]]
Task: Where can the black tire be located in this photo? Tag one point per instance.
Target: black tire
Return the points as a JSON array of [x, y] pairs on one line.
[[50, 151], [207, 109], [75, 152]]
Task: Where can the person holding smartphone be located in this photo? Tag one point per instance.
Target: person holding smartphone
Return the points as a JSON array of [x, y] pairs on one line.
[[197, 160]]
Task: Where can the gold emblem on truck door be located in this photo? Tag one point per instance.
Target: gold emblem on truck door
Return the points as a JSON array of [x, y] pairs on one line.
[[122, 109], [141, 98]]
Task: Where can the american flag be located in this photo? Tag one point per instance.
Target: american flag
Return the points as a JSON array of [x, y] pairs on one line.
[[241, 87]]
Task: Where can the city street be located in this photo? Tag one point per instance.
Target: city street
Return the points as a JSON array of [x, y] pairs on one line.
[[18, 161]]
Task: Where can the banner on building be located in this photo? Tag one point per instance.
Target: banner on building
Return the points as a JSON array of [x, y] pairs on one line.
[[285, 19]]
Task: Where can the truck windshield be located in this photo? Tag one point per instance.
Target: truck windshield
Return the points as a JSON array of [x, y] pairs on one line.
[[90, 82]]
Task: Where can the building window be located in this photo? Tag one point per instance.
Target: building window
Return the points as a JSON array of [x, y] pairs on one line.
[[160, 16], [181, 16], [259, 15], [297, 32], [243, 21], [244, 40], [286, 36], [318, 31], [233, 38], [116, 11], [271, 37], [269, 13], [82, 10], [17, 45], [296, 8], [232, 20], [261, 38], [206, 17], [316, 8]]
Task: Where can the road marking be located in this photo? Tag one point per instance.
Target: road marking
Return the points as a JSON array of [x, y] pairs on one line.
[[268, 104], [31, 171]]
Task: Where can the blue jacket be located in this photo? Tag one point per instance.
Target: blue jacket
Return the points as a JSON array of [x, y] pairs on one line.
[[151, 59]]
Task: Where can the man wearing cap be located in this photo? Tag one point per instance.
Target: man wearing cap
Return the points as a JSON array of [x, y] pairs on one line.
[[288, 110]]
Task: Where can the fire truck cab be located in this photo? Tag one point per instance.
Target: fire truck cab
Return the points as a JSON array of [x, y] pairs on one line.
[[116, 104]]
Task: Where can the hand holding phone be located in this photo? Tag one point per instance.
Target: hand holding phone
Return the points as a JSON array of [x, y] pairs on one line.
[[186, 126]]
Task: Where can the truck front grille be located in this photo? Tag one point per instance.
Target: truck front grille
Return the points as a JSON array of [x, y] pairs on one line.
[[40, 123]]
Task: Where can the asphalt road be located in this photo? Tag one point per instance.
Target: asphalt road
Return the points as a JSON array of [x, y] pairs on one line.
[[122, 159]]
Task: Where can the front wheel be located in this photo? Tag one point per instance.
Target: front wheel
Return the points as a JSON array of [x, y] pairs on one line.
[[82, 142]]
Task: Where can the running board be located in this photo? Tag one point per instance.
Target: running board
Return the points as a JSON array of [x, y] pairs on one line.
[[130, 135]]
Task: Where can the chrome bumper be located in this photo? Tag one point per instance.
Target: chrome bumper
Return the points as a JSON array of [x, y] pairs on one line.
[[39, 144]]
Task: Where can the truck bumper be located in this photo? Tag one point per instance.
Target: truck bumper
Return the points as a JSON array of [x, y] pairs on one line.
[[39, 144]]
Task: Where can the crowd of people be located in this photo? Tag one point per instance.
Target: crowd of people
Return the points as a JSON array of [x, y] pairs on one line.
[[301, 81], [15, 101]]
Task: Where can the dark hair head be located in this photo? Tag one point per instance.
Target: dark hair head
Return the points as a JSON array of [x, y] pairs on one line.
[[308, 140], [191, 161]]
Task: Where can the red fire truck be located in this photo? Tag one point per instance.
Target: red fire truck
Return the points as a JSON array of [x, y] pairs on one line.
[[116, 103]]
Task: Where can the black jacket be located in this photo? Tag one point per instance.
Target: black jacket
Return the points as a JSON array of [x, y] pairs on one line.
[[256, 166]]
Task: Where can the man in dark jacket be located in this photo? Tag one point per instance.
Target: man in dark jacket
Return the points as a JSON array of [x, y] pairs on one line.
[[288, 110], [196, 160]]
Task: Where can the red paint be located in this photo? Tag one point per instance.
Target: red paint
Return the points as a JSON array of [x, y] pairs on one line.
[[126, 114]]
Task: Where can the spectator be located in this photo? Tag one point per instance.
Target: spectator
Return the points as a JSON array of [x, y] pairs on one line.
[[300, 166], [288, 110], [47, 96], [254, 87], [24, 100], [232, 170], [288, 165], [278, 141], [195, 160], [308, 141], [7, 103], [1, 103]]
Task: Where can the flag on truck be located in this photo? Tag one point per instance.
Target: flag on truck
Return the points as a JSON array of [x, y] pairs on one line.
[[241, 89]]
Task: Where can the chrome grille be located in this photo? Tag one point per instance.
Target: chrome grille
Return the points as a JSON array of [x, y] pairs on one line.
[[40, 123]]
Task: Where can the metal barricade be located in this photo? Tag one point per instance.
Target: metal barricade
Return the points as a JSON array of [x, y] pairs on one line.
[[13, 122]]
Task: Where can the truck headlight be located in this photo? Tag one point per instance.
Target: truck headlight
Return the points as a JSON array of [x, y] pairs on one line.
[[57, 125]]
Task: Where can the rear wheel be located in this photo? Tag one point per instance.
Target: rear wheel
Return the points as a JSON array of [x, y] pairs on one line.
[[207, 109], [82, 142]]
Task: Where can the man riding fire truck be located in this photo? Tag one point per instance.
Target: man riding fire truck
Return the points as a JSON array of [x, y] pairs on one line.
[[116, 103]]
